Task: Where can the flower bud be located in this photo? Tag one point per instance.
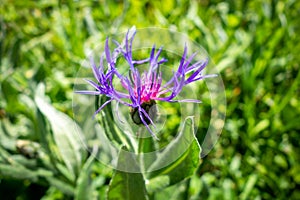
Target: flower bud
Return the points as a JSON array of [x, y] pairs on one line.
[[149, 107]]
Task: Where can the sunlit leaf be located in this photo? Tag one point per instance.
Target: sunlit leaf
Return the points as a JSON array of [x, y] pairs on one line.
[[67, 135], [185, 151]]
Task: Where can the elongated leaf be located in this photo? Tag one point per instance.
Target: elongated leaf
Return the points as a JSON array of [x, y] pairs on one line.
[[124, 185], [60, 185], [67, 135], [84, 182], [249, 186], [17, 172], [185, 163], [112, 131]]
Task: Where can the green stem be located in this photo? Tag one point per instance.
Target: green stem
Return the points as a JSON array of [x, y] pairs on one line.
[[141, 150]]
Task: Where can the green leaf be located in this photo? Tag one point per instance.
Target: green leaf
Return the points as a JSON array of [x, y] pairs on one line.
[[111, 130], [174, 192], [17, 172], [67, 135], [84, 182], [249, 186], [65, 171], [124, 185], [195, 187], [158, 183], [61, 185], [185, 163]]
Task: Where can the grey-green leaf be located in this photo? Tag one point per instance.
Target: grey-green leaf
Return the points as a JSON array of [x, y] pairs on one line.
[[17, 172], [84, 188], [67, 135]]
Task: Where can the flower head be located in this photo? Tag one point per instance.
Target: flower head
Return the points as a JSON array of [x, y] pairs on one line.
[[142, 89]]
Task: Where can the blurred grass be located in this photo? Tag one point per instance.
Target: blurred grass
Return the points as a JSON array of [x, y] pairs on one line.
[[254, 44]]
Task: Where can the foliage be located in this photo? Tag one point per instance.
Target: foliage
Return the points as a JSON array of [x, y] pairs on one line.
[[254, 45]]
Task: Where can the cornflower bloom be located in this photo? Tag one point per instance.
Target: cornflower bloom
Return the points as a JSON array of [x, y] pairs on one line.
[[142, 89]]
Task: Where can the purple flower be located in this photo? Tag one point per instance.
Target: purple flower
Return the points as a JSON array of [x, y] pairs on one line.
[[143, 89]]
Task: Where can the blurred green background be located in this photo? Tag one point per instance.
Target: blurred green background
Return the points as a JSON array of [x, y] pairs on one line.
[[254, 44]]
